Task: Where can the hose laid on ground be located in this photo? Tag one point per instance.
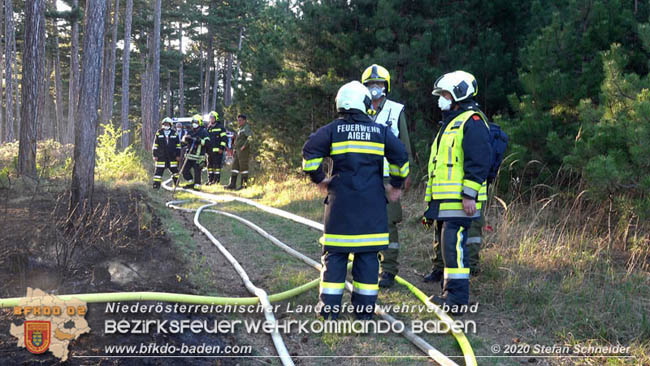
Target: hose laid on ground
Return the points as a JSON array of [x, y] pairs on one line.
[[259, 230], [407, 333], [212, 300], [268, 313], [466, 348], [169, 297], [461, 339]]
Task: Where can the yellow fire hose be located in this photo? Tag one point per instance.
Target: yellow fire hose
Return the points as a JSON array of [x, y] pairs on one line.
[[461, 339], [407, 333], [170, 297], [464, 344]]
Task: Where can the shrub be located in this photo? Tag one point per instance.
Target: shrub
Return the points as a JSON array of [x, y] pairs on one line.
[[52, 158], [113, 164]]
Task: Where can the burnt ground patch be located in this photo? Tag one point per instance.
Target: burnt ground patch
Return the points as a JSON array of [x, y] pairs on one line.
[[121, 247]]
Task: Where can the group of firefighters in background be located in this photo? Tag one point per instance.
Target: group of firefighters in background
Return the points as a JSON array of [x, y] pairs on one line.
[[198, 147]]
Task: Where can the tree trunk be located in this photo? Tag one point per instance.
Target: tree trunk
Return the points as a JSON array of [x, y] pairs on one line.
[[168, 105], [83, 172], [151, 82], [215, 87], [181, 92], [55, 101], [237, 69], [227, 88], [44, 123], [104, 67], [146, 96], [126, 58], [155, 115], [32, 78], [58, 85], [109, 69], [73, 91], [3, 127], [17, 87], [201, 82], [49, 103], [208, 66], [10, 39]]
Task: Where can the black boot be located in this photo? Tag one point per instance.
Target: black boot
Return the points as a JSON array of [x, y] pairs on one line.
[[448, 306], [244, 179], [210, 179], [233, 181], [434, 276], [175, 179], [217, 177], [156, 185], [386, 280]]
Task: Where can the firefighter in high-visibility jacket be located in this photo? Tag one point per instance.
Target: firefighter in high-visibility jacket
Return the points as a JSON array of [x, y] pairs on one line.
[[217, 133], [355, 207], [166, 152], [390, 114], [197, 141], [456, 188]]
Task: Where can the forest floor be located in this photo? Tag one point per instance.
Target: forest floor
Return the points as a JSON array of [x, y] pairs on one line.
[[526, 298], [124, 249]]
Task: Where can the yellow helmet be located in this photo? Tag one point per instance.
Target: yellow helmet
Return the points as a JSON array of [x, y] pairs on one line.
[[375, 72], [198, 118], [167, 120], [215, 114]]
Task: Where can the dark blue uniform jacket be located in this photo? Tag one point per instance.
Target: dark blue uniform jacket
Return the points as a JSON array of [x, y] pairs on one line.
[[355, 211]]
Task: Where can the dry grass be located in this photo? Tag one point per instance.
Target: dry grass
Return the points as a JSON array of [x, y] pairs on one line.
[[557, 268]]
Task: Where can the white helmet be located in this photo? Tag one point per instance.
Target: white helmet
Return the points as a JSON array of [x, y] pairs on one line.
[[353, 95], [462, 85]]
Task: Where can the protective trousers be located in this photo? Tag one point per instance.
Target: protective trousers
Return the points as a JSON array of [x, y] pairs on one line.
[[160, 170], [195, 165], [452, 234], [474, 241], [389, 257], [215, 161], [365, 271], [240, 166]]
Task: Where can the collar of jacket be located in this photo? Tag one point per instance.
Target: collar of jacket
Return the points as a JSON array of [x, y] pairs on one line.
[[355, 116]]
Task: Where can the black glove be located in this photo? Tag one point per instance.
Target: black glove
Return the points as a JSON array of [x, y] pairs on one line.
[[429, 217]]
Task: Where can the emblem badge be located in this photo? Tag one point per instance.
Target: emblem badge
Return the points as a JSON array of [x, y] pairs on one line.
[[37, 335]]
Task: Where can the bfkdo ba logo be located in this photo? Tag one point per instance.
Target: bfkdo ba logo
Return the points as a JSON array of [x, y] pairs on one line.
[[37, 335]]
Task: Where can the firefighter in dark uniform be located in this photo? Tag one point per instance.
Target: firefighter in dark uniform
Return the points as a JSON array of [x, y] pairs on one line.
[[166, 152], [242, 153], [217, 133], [456, 189], [474, 236], [390, 114], [355, 212], [197, 141]]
